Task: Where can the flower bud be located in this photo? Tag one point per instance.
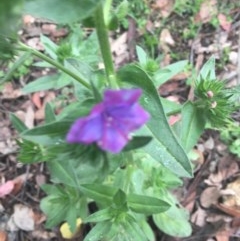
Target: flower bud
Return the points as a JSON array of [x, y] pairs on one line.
[[213, 104], [210, 94]]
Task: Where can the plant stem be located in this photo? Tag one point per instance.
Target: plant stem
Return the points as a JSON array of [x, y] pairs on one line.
[[103, 40], [106, 9], [38, 54]]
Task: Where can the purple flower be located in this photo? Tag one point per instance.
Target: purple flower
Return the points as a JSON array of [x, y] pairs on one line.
[[110, 122]]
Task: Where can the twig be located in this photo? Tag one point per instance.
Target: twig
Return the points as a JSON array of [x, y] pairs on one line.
[[24, 183]]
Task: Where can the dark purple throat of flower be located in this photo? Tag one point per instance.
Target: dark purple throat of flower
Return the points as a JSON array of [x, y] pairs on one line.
[[110, 122]]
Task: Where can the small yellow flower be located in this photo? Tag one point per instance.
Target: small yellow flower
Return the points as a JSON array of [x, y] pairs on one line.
[[66, 232]]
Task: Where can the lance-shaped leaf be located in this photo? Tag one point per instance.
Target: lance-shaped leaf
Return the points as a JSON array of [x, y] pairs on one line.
[[164, 147], [61, 11], [99, 193], [208, 70], [98, 231], [163, 75], [192, 125], [146, 205]]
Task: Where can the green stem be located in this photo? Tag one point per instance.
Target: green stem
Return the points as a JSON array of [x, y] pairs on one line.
[[38, 54], [103, 40], [106, 9]]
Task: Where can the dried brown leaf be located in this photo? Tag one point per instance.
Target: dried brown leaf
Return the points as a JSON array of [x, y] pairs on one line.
[[209, 196], [23, 217], [3, 236], [28, 20], [166, 37], [36, 99], [165, 7], [215, 217], [6, 188], [199, 217], [222, 236], [41, 234], [40, 179], [29, 117], [227, 167], [209, 144], [228, 210], [8, 92], [233, 57], [47, 97], [232, 194], [224, 23], [208, 9], [19, 181]]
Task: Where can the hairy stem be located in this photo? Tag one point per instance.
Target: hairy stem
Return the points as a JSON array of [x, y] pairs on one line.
[[54, 63], [103, 40]]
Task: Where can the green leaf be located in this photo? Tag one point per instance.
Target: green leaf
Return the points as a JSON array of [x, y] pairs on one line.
[[10, 15], [80, 68], [62, 173], [191, 126], [43, 64], [137, 142], [17, 123], [49, 133], [164, 147], [99, 193], [49, 46], [30, 152], [166, 178], [146, 205], [173, 222], [163, 75], [142, 56], [98, 231], [42, 83], [146, 228], [61, 11], [133, 230], [62, 204], [138, 178], [15, 66], [122, 10], [82, 168], [208, 70], [56, 209], [55, 131], [99, 216], [170, 106], [113, 23], [49, 114], [233, 92], [52, 189], [71, 216], [119, 198]]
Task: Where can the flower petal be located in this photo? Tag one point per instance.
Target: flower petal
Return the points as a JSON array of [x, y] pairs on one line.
[[113, 140], [130, 118], [121, 97], [86, 130], [97, 110]]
